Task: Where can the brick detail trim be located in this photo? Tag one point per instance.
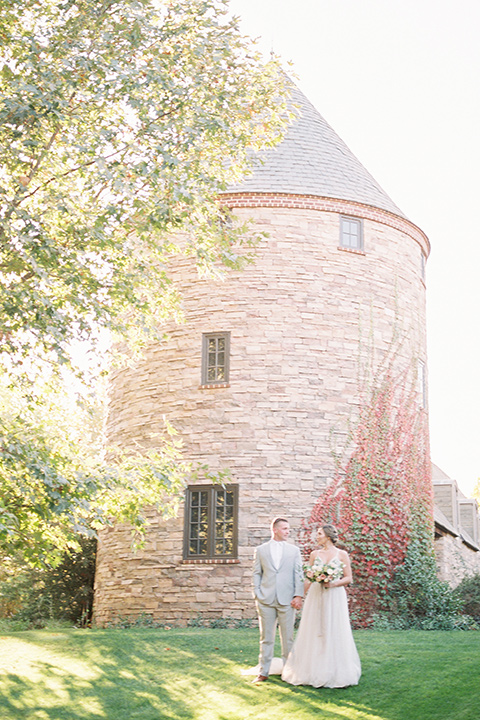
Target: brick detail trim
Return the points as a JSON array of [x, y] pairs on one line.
[[355, 251], [211, 561], [344, 207], [214, 386]]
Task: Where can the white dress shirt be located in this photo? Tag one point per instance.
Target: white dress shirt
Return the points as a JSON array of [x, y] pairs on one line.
[[276, 550]]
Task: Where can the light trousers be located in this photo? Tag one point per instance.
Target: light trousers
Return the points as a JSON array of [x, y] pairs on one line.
[[269, 616]]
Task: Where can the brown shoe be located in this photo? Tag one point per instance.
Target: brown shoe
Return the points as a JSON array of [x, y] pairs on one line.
[[259, 679]]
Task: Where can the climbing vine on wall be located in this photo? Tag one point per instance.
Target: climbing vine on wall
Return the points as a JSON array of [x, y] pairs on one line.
[[381, 496]]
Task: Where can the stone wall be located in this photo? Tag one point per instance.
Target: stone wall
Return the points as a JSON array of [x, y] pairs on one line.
[[457, 530], [156, 581], [307, 320], [456, 558]]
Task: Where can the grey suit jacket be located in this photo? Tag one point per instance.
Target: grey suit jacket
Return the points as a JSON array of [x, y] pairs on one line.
[[271, 585]]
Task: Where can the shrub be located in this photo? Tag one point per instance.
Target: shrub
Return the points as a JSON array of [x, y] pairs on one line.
[[418, 599], [34, 596], [468, 593]]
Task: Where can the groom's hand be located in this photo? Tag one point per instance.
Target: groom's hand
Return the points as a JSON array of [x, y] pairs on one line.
[[296, 602]]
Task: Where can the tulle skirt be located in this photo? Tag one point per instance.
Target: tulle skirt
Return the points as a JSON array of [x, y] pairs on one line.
[[324, 652]]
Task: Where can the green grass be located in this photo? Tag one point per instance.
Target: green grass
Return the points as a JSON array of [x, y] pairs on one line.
[[152, 674]]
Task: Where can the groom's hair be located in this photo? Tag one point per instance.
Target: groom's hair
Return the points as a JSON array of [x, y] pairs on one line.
[[277, 520]]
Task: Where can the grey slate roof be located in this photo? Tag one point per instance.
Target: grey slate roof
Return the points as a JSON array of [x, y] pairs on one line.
[[313, 160]]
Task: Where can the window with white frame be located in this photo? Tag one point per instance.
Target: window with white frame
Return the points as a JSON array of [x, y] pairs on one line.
[[351, 233]]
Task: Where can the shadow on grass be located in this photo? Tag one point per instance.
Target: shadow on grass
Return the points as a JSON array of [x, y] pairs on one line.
[[85, 675], [196, 674], [147, 674]]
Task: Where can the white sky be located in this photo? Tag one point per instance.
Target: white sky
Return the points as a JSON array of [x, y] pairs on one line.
[[399, 81]]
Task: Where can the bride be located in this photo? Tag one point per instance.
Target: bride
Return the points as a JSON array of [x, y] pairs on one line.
[[324, 653]]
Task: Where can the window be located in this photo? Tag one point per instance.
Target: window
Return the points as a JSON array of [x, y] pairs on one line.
[[351, 235], [422, 384], [215, 358], [211, 522], [423, 263]]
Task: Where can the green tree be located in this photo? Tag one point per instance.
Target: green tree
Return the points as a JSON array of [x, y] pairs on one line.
[[35, 595], [120, 122], [56, 482]]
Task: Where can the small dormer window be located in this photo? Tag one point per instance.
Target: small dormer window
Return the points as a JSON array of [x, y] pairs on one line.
[[351, 233]]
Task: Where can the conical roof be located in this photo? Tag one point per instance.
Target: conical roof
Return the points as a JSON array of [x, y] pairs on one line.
[[313, 160]]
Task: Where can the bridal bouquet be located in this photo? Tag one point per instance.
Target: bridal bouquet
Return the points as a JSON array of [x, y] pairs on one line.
[[321, 571]]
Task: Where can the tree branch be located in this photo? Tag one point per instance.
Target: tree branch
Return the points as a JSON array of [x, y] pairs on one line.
[[123, 149]]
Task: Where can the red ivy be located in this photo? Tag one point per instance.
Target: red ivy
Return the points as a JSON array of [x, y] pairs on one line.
[[382, 495]]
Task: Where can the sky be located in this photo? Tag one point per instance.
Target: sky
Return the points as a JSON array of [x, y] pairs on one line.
[[399, 81]]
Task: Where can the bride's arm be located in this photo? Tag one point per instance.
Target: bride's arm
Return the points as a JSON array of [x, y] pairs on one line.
[[347, 571]]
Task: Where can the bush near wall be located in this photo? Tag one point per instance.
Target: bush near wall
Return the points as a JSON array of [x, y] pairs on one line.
[[418, 599], [38, 595], [468, 594]]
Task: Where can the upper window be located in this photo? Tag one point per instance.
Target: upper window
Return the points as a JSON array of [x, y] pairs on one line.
[[211, 513], [423, 264], [422, 384], [351, 235], [215, 358]]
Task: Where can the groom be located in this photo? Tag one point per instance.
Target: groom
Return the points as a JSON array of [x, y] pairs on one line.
[[278, 592]]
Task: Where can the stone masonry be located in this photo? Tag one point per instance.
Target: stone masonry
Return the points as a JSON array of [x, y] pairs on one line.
[[305, 321], [457, 530]]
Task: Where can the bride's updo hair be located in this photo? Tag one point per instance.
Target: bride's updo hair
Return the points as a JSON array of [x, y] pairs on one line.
[[331, 532]]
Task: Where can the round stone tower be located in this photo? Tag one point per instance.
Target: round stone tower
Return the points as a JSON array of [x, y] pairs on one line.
[[265, 368]]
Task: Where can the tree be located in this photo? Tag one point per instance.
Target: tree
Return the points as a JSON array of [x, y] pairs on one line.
[[33, 596], [120, 122], [56, 482]]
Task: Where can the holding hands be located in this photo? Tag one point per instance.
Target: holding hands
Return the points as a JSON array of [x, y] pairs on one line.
[[297, 602]]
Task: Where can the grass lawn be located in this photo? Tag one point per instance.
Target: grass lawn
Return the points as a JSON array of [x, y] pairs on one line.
[[151, 674]]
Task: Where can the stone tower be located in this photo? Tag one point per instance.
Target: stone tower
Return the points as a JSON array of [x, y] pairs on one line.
[[265, 367]]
